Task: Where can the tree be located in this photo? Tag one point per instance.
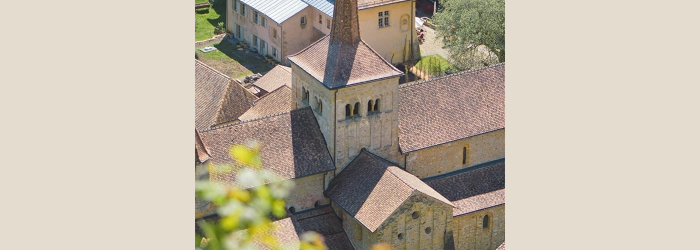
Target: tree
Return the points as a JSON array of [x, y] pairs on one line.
[[473, 31]]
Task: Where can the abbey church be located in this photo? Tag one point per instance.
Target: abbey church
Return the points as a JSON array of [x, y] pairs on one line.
[[419, 165]]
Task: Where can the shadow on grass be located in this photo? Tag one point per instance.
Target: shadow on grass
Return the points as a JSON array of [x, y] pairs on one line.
[[220, 8], [232, 61], [250, 60]]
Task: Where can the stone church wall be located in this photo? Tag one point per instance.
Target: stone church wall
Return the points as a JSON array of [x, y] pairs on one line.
[[448, 157], [401, 230], [307, 192], [469, 232]]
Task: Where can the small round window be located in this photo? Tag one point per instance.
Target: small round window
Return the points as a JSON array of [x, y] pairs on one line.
[[292, 209], [415, 215], [400, 236], [428, 230]]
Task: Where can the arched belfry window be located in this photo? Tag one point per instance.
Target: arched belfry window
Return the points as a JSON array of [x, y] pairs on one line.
[[348, 110], [376, 105], [356, 111], [320, 106], [370, 106], [485, 223]]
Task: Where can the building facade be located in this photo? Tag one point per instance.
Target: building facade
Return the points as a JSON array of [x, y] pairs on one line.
[[278, 28]]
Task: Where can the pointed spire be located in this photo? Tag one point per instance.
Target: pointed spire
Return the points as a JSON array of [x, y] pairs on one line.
[[346, 27]]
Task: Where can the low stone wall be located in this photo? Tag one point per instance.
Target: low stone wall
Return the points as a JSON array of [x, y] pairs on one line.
[[217, 38]]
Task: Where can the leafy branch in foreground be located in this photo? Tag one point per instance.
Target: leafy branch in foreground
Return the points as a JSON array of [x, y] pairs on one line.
[[245, 212]]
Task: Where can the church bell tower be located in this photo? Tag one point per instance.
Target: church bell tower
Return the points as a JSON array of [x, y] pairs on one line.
[[351, 88]]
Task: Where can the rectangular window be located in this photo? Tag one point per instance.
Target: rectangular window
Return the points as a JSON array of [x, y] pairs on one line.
[[255, 41], [465, 155], [386, 18], [381, 23], [303, 20], [235, 6], [243, 9], [264, 22], [274, 33], [263, 48], [320, 19], [256, 17], [274, 52], [328, 23]]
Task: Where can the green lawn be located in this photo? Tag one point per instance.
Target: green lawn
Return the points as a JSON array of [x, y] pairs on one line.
[[434, 65], [206, 21], [232, 61]]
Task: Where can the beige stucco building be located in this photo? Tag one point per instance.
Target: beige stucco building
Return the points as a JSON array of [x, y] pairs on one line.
[[279, 28], [419, 165]]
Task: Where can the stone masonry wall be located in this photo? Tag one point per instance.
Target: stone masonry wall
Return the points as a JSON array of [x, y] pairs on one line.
[[470, 234], [447, 157], [307, 192]]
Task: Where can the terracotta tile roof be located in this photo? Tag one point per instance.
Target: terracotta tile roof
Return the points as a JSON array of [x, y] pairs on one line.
[[502, 246], [200, 151], [474, 188], [277, 101], [479, 202], [217, 98], [343, 65], [292, 145], [371, 189], [238, 100], [284, 231], [275, 78], [451, 108], [209, 90], [324, 221]]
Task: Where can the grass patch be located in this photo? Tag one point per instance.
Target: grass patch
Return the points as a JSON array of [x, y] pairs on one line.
[[434, 65], [206, 21], [231, 61], [200, 1]]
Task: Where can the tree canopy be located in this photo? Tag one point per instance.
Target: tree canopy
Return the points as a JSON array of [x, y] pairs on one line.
[[473, 31]]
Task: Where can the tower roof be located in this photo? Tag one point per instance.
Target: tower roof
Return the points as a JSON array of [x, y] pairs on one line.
[[342, 58]]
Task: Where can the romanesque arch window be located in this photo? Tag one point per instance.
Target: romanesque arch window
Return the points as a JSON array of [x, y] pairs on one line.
[[465, 155], [356, 111], [348, 110], [370, 106], [292, 209], [320, 106], [376, 105], [305, 95], [485, 223]]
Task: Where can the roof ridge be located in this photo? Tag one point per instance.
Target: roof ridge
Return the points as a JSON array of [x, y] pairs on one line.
[[243, 122], [268, 94], [450, 75], [209, 67]]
